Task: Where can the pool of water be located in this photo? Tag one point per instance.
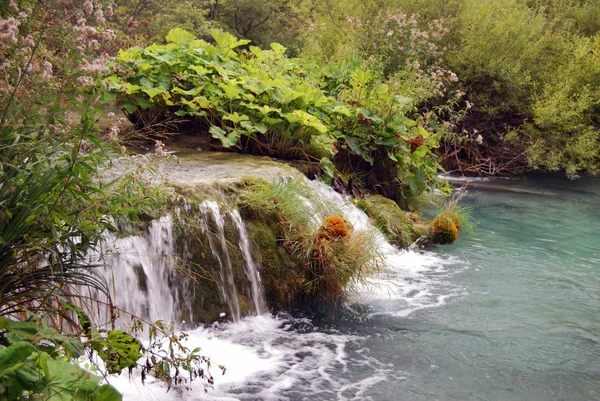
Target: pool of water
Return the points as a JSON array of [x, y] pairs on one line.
[[527, 324]]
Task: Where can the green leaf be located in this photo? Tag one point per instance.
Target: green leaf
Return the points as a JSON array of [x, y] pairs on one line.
[[200, 70], [129, 107], [106, 392], [306, 119], [357, 147], [226, 41], [360, 78], [231, 90], [152, 92], [420, 152], [278, 49], [261, 127], [18, 331], [236, 118], [180, 36], [417, 181], [17, 371], [68, 382]]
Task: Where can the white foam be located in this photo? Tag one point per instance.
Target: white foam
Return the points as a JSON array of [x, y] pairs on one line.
[[270, 358], [410, 280]]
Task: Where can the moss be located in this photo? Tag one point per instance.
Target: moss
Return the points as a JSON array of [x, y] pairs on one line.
[[334, 227], [280, 277], [444, 228], [390, 219], [421, 229]]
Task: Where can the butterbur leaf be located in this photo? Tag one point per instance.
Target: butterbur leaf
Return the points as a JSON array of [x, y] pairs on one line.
[[306, 119], [129, 107], [226, 41], [420, 152], [152, 92], [357, 147], [261, 127], [279, 49], [236, 118], [361, 78], [180, 36], [106, 392]]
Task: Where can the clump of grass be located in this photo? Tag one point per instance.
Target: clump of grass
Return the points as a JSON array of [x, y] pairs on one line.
[[454, 218], [328, 259], [338, 260]]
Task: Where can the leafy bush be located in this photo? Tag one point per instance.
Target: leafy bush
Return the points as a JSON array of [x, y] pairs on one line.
[[262, 102]]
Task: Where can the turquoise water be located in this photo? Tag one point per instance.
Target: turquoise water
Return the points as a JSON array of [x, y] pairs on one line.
[[525, 324]]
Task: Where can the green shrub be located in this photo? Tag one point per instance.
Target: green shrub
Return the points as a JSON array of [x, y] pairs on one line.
[[261, 102]]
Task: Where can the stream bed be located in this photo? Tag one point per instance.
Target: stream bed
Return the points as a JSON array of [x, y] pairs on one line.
[[512, 313]]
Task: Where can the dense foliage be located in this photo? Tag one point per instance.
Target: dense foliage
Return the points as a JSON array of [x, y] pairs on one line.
[[262, 102], [510, 85], [528, 71]]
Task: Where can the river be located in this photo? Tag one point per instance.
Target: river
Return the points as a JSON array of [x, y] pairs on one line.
[[512, 313]]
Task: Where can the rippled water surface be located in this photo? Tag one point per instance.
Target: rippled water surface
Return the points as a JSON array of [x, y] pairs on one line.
[[527, 326], [512, 313]]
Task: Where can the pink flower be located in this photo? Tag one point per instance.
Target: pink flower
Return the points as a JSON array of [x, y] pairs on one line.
[[88, 7]]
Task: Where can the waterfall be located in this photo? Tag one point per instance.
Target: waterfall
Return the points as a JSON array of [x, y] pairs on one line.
[[251, 268], [140, 270], [221, 253], [148, 279]]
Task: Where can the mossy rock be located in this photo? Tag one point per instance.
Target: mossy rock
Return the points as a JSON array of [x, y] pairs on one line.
[[444, 228], [389, 219]]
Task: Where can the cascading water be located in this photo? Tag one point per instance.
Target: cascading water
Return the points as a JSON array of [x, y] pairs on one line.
[[289, 358], [221, 253], [145, 281], [251, 267], [140, 270], [221, 249]]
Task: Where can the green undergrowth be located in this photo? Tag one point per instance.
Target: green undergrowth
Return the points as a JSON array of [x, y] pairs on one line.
[[262, 102]]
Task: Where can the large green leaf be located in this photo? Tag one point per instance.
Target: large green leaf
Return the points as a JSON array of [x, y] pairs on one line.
[[226, 41], [236, 118], [357, 146], [106, 392], [17, 371], [180, 36], [68, 382], [306, 119], [227, 139]]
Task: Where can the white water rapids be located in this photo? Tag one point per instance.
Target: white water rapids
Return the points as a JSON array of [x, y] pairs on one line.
[[273, 357]]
